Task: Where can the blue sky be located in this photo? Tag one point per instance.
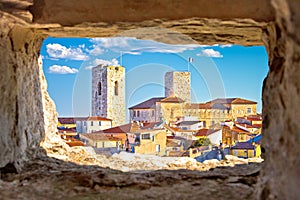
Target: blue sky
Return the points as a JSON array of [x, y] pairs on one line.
[[217, 71]]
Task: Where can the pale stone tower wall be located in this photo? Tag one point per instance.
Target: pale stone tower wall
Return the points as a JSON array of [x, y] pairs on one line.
[[178, 84], [108, 103]]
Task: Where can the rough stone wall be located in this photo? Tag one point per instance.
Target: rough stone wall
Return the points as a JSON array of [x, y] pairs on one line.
[[99, 107], [111, 106], [117, 105], [21, 108], [178, 84], [281, 112]]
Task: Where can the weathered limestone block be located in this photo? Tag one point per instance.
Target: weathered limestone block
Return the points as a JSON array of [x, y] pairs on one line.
[[22, 125], [281, 111]]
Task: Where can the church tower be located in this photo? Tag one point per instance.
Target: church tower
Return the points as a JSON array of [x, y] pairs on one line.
[[178, 84], [108, 93]]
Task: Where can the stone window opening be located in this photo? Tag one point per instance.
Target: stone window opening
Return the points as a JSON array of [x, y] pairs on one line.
[[116, 87], [268, 82], [99, 88]]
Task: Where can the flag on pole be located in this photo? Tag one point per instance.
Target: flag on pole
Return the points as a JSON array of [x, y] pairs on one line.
[[189, 61]]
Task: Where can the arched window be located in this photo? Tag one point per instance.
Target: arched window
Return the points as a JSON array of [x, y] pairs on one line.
[[99, 88], [116, 88]]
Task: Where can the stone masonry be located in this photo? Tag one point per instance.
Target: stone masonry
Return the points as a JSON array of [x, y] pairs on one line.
[[108, 93], [178, 84]]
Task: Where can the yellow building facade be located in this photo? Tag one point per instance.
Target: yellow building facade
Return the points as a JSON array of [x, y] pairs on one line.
[[152, 142]]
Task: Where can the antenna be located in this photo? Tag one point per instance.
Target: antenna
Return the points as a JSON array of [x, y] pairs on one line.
[[121, 59]]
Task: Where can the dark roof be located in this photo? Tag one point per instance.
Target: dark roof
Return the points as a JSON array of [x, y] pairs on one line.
[[219, 106], [187, 123], [66, 120], [150, 103], [172, 100], [243, 145]]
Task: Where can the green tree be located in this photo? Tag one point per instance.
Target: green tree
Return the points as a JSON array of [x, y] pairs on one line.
[[202, 142]]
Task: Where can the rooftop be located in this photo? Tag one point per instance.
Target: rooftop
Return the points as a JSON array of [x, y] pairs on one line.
[[232, 101], [206, 132], [187, 123], [100, 136], [172, 100], [150, 103], [97, 118], [243, 145]]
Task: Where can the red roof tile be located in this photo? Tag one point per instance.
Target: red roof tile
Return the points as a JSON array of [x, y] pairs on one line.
[[232, 101], [206, 132], [97, 118], [100, 136], [126, 128], [172, 100]]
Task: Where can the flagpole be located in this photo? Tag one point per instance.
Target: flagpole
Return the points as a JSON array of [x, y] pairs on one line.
[[188, 64], [121, 60]]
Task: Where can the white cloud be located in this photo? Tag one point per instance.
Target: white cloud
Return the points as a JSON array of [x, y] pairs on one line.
[[210, 53], [57, 69], [56, 50], [130, 45], [217, 45], [226, 45], [96, 62], [96, 50]]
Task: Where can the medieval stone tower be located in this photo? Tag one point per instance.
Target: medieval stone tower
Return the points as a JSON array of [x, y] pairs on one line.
[[108, 93], [178, 84]]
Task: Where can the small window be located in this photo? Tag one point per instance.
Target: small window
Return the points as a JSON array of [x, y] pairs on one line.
[[134, 113], [146, 136], [157, 148], [92, 124], [84, 123], [99, 88], [153, 113], [152, 138], [249, 110], [138, 113], [116, 88], [99, 123]]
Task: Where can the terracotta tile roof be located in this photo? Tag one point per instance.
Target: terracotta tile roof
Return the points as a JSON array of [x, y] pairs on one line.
[[243, 145], [172, 100], [248, 126], [100, 136], [126, 128], [257, 125], [206, 132], [70, 120], [74, 142], [235, 129], [150, 103], [205, 105], [171, 143], [66, 120], [232, 101], [254, 117], [97, 118]]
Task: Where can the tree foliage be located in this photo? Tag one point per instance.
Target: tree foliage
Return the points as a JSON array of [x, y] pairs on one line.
[[202, 142]]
